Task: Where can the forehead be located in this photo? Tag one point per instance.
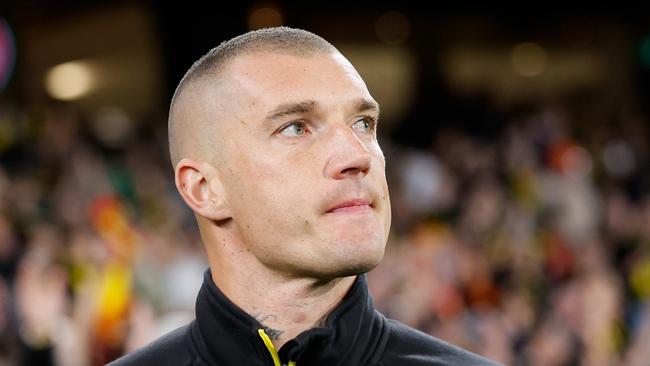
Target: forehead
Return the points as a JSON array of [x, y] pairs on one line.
[[264, 80]]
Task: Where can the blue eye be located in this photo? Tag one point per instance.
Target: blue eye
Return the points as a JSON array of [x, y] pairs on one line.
[[365, 124], [296, 128]]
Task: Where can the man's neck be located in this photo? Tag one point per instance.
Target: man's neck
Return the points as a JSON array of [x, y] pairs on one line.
[[285, 308]]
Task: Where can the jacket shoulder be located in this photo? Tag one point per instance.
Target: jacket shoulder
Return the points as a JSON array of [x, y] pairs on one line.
[[170, 349], [408, 346]]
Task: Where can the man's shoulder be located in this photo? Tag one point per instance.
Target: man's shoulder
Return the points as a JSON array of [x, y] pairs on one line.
[[170, 349], [408, 346]]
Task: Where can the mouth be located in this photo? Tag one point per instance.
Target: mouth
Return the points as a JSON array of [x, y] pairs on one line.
[[352, 206]]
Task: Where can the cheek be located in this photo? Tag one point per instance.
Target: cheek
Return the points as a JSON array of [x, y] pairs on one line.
[[270, 188]]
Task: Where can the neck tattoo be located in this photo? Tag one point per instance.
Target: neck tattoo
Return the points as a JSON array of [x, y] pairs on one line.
[[274, 334]]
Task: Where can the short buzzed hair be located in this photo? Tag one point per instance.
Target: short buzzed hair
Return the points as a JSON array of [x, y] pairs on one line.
[[287, 40]]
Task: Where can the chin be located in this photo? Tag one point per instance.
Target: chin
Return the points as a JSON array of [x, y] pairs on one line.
[[357, 263], [357, 269]]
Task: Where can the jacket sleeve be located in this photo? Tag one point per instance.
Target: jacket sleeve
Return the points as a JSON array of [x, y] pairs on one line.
[[168, 350], [407, 346]]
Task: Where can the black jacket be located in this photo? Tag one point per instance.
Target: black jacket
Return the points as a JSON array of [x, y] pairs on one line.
[[354, 334]]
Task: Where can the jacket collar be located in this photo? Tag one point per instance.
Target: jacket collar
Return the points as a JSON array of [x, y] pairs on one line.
[[352, 334]]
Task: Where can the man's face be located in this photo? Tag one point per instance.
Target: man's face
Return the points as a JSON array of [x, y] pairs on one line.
[[300, 163]]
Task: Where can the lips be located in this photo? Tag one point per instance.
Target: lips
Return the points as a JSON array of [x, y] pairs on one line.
[[352, 205]]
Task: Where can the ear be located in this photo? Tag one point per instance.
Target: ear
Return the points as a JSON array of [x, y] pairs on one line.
[[201, 189]]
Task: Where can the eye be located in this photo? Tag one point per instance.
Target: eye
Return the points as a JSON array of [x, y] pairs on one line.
[[296, 128], [365, 124]]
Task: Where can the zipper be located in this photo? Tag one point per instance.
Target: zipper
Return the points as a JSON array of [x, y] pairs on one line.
[[274, 354]]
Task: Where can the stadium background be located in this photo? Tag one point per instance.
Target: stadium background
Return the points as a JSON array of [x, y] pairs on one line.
[[518, 164]]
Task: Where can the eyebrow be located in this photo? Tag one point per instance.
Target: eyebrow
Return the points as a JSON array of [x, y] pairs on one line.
[[287, 109], [306, 106], [363, 105]]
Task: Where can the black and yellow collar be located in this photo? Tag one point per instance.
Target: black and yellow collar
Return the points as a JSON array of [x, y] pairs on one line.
[[353, 333]]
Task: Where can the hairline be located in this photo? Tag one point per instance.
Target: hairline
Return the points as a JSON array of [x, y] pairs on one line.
[[216, 71], [216, 61]]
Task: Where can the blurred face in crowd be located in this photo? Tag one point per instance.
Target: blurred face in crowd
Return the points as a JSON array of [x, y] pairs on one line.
[[300, 165]]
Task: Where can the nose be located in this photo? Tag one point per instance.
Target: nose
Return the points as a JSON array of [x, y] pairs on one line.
[[349, 156]]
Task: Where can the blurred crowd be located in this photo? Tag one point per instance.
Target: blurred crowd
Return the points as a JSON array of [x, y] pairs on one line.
[[98, 254], [529, 246]]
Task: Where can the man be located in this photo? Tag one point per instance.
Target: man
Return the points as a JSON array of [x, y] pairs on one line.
[[273, 141]]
